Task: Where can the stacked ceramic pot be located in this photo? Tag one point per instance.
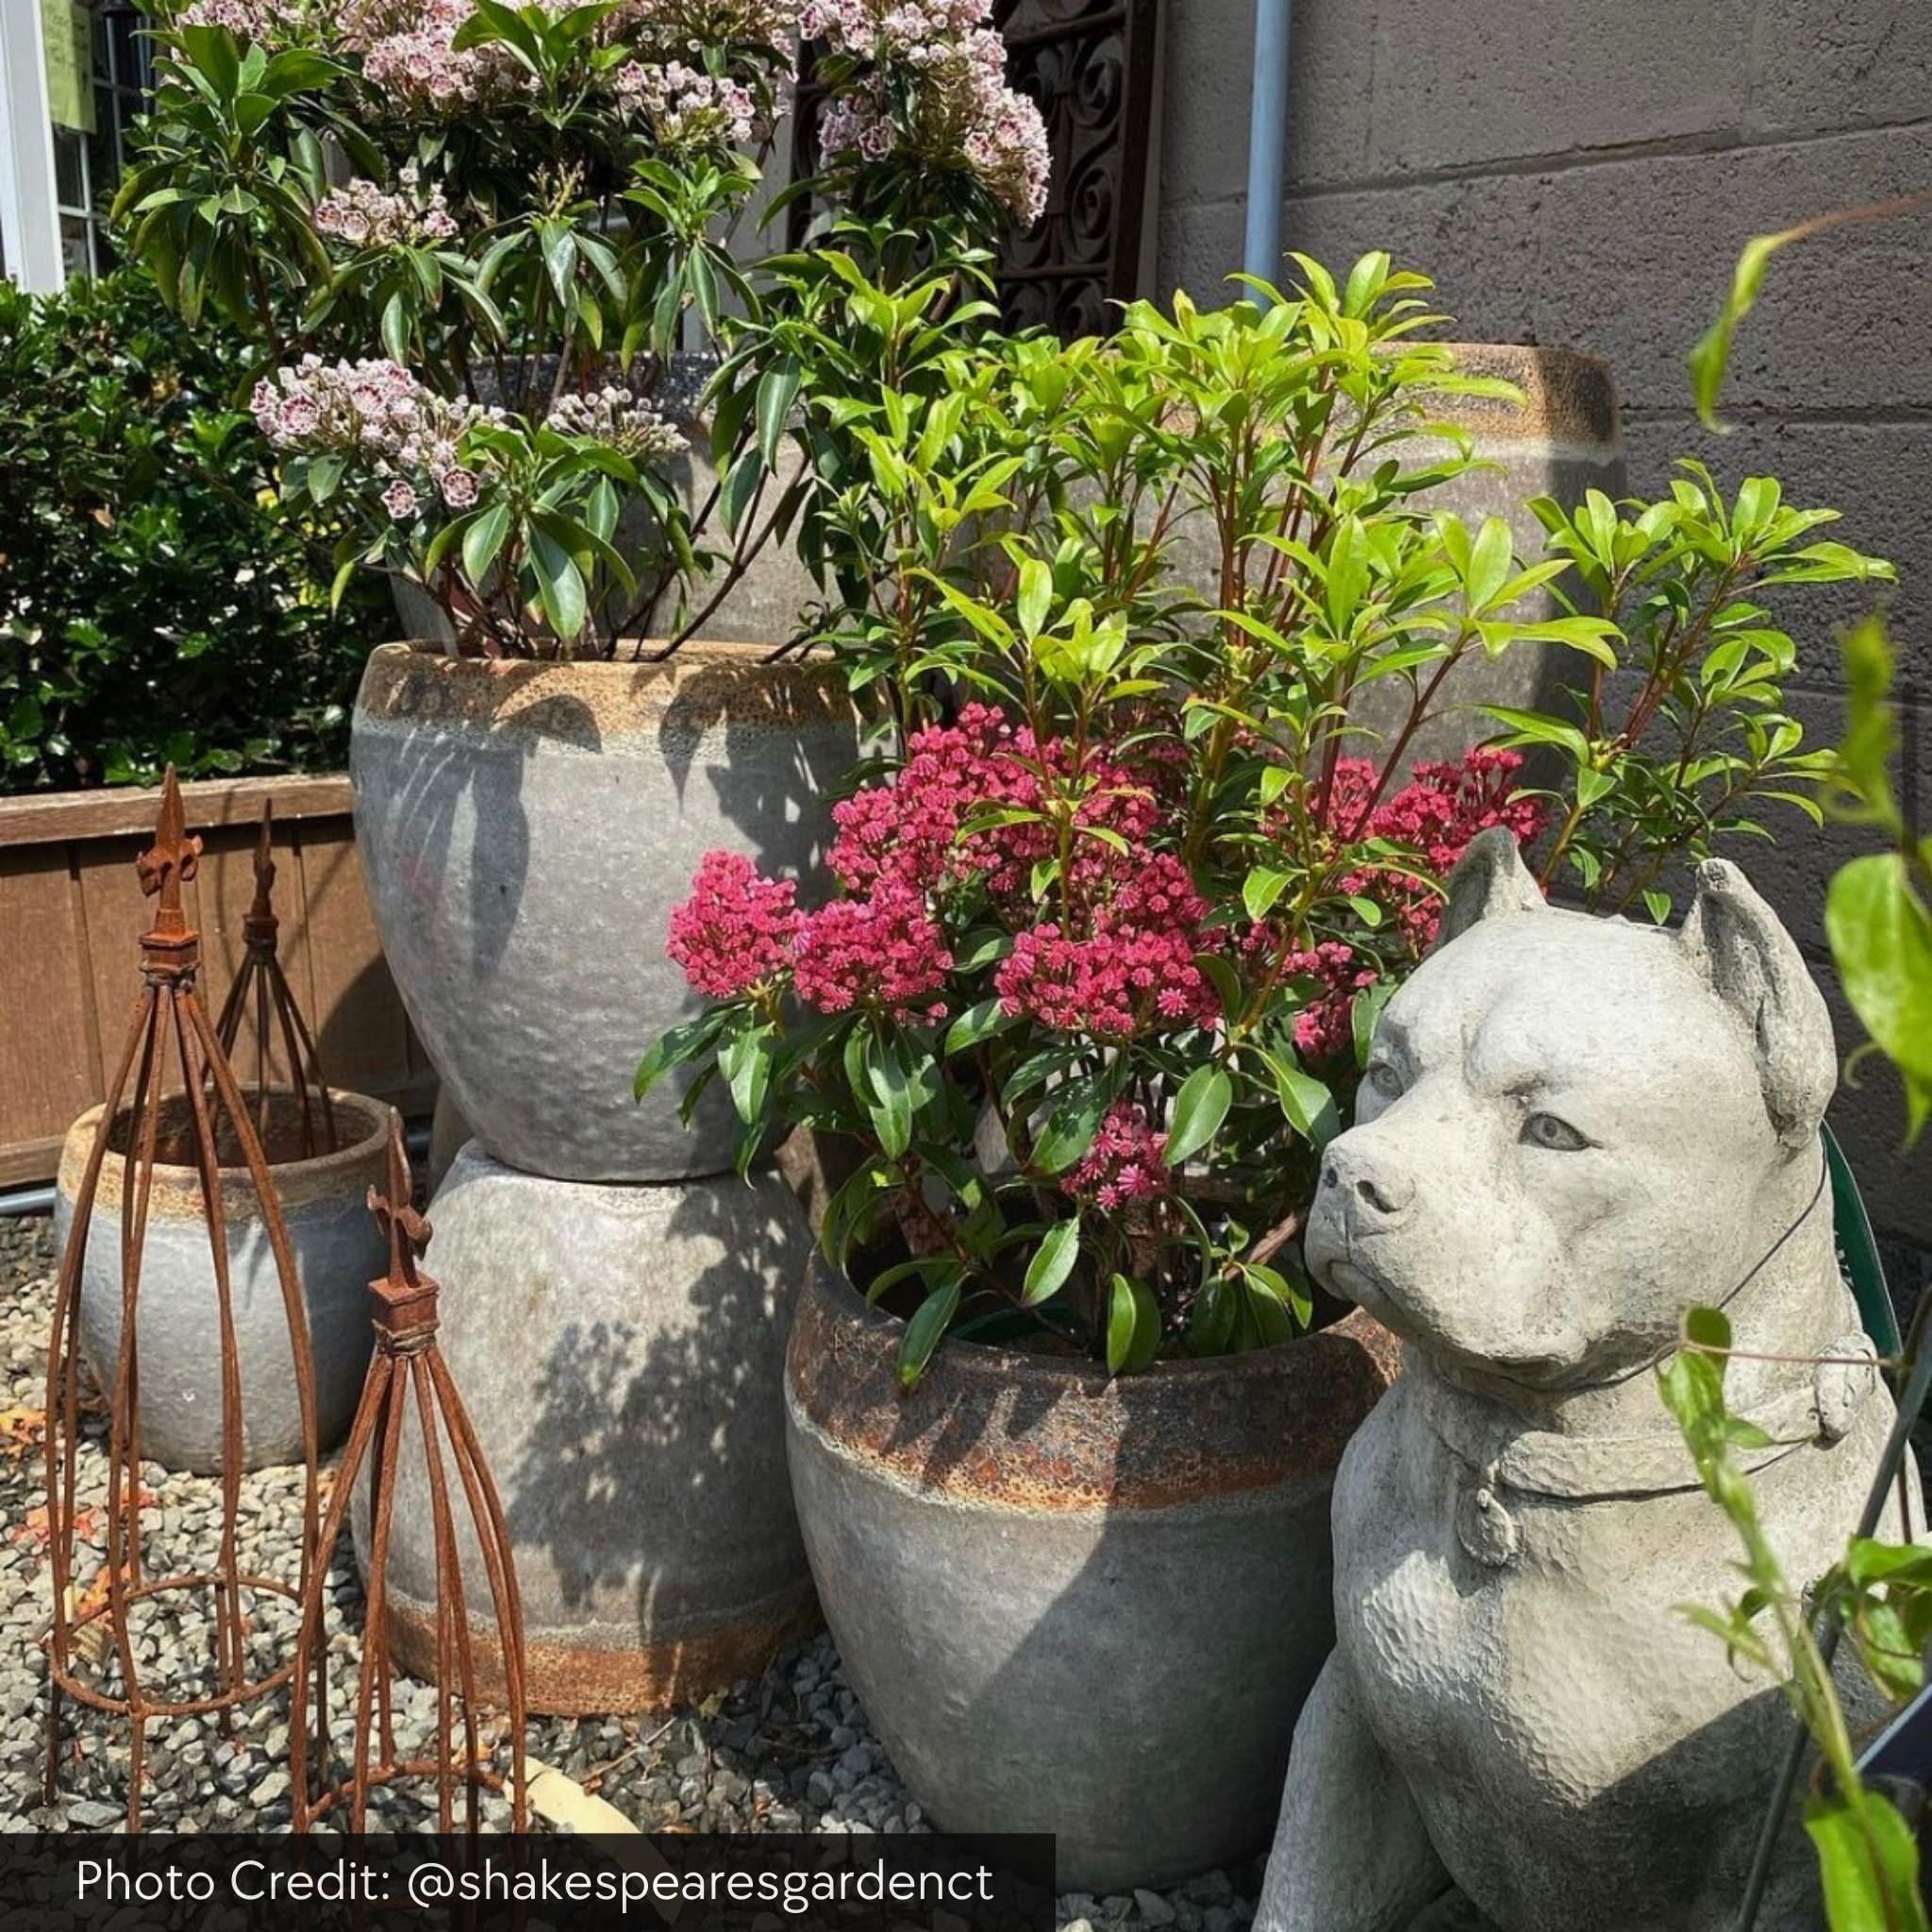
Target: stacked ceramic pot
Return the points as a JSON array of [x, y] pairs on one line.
[[617, 1299]]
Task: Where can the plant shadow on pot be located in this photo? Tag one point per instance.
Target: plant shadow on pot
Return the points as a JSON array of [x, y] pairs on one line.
[[1074, 1605], [527, 830], [621, 1353]]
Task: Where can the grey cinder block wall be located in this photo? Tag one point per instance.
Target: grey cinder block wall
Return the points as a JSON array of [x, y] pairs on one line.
[[1582, 173]]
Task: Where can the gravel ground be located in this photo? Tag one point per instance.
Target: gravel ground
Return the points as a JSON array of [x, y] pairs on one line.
[[790, 1753]]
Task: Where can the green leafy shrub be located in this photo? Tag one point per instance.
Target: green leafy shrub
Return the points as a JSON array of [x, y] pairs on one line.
[[155, 602], [1134, 876]]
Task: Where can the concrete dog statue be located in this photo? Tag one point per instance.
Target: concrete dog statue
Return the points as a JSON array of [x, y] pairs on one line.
[[1570, 1130]]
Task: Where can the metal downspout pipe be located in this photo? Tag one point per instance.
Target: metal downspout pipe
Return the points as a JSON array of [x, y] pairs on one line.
[[1267, 140]]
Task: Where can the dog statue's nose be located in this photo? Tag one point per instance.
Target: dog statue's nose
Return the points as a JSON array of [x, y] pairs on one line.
[[1383, 1196]]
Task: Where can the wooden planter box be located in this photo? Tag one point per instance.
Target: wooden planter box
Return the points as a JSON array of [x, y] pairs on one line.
[[72, 909]]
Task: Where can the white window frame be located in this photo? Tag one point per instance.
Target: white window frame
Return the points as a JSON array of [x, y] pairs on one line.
[[30, 220]]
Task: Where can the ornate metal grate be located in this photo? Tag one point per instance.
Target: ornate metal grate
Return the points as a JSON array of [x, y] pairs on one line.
[[1091, 66]]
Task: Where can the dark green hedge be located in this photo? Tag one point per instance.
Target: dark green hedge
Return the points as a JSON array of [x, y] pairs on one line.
[[155, 602]]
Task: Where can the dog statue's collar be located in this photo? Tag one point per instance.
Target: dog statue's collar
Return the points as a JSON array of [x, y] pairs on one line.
[[1541, 1462]]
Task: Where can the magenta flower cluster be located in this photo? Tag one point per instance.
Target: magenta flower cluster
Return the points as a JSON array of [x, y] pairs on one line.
[[885, 951], [740, 933], [736, 931], [1124, 1163], [1112, 951], [964, 114], [1111, 956], [1131, 972], [1436, 814]]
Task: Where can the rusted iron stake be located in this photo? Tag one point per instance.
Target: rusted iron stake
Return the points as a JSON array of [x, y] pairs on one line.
[[407, 1363], [262, 992], [169, 1027]]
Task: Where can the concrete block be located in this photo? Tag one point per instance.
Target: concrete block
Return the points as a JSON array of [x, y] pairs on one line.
[[1200, 247], [1635, 258], [1478, 238], [1455, 86], [1840, 63], [1210, 73]]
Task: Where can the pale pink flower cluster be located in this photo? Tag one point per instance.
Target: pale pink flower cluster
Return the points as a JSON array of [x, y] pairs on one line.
[[686, 107], [363, 216], [964, 115], [264, 21], [407, 437], [408, 51], [690, 26], [617, 417]]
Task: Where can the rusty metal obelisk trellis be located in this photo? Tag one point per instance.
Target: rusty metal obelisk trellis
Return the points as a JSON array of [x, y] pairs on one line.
[[179, 1123], [407, 1363], [261, 994]]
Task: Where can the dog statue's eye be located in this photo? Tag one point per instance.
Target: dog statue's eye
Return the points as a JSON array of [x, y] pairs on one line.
[[1560, 1136], [1384, 1078]]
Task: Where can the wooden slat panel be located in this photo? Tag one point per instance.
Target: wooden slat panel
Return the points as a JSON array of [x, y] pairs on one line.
[[71, 912], [27, 1162], [48, 1060], [360, 1031], [128, 813]]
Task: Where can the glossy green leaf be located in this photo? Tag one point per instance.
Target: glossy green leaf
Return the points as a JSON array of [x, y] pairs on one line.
[[925, 1331], [1133, 1326], [1199, 1108], [1053, 1262]]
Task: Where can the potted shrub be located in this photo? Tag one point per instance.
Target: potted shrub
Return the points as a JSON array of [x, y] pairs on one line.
[[472, 243], [1113, 927]]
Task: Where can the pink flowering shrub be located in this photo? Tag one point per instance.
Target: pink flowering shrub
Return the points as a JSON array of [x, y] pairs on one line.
[[539, 222], [964, 115], [1020, 940]]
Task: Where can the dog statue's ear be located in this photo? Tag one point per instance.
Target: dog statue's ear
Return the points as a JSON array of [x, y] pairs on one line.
[[1489, 880], [1753, 966]]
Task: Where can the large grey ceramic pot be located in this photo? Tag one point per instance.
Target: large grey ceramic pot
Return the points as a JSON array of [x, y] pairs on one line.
[[338, 1251], [621, 1351], [1073, 1604], [526, 829], [1559, 435]]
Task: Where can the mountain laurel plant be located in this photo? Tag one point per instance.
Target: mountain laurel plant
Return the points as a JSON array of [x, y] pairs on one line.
[[469, 237], [1122, 896]]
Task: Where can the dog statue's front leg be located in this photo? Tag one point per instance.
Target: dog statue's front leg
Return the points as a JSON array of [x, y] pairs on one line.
[[1350, 1852]]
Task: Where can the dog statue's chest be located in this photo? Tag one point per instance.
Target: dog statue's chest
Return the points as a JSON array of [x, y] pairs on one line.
[[1518, 1657]]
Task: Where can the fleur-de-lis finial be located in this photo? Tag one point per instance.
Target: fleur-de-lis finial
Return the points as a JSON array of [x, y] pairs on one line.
[[259, 928], [407, 1231], [169, 864]]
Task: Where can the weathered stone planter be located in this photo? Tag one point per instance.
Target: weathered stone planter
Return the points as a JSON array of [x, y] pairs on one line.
[[1562, 437], [620, 1351], [1071, 1605], [338, 1251], [526, 829]]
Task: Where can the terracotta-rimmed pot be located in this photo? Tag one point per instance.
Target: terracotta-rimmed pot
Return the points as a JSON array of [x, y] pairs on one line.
[[526, 829], [1073, 1604], [338, 1251]]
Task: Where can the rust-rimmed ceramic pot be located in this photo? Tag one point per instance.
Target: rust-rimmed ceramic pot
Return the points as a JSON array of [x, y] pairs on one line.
[[526, 829], [1072, 1604], [338, 1251]]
